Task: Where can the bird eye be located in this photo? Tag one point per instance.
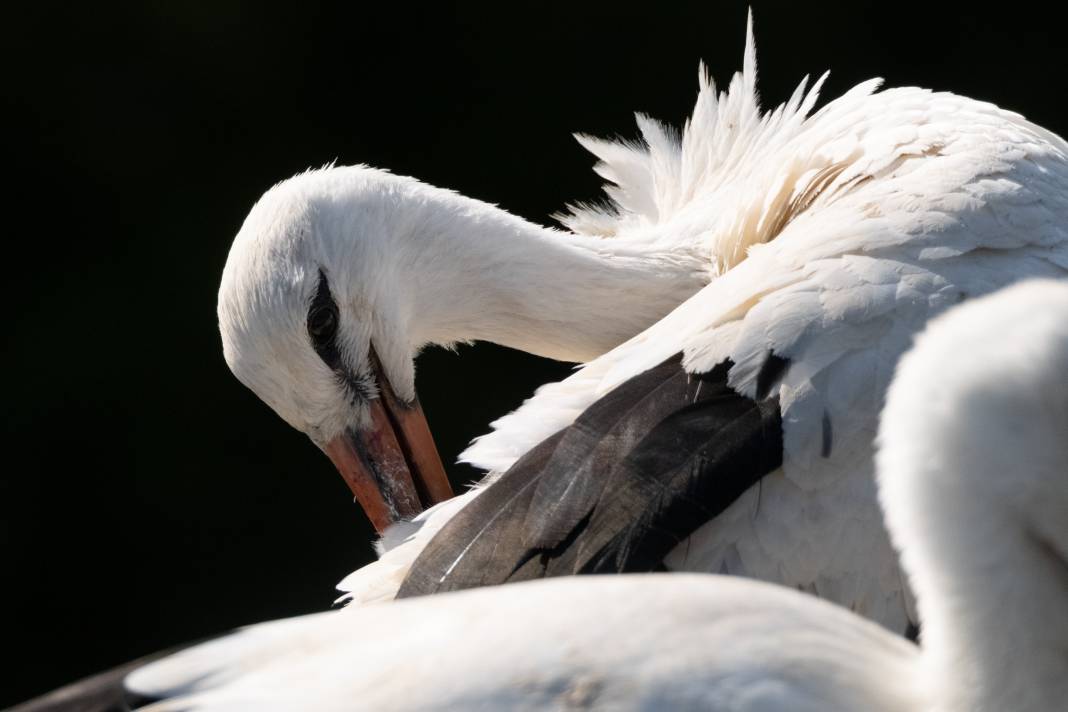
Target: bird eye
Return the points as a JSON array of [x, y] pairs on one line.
[[322, 324]]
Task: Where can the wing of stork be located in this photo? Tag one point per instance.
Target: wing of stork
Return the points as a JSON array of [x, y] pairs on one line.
[[618, 489], [562, 644], [736, 434]]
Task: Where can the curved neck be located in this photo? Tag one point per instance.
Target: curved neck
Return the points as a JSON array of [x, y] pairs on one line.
[[484, 274], [995, 633], [973, 484]]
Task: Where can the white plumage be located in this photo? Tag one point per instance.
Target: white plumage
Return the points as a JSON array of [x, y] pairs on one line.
[[629, 642], [828, 240], [972, 477]]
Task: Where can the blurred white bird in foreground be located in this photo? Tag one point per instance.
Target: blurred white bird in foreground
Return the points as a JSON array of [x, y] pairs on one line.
[[972, 476], [732, 435]]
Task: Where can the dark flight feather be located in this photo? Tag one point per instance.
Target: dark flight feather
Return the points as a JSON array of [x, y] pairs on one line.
[[103, 692], [99, 693], [637, 473]]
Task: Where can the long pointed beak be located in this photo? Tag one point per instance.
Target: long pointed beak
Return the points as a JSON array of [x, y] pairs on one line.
[[392, 467]]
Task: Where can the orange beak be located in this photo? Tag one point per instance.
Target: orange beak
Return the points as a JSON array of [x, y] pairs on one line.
[[392, 467]]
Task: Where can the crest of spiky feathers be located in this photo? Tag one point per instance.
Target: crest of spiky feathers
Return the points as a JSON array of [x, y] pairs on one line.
[[653, 181]]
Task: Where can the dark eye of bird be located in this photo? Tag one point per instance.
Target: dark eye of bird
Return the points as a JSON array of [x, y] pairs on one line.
[[323, 320], [322, 324]]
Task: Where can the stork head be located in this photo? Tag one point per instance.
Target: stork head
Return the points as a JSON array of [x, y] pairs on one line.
[[308, 323]]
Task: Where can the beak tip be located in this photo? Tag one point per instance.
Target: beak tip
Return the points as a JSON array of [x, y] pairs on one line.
[[392, 466]]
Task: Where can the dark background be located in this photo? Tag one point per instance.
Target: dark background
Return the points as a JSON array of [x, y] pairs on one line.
[[147, 497]]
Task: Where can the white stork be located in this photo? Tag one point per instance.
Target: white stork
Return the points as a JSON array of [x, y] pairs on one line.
[[972, 477], [770, 268]]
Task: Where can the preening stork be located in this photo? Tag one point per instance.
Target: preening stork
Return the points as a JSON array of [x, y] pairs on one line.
[[739, 306], [973, 483]]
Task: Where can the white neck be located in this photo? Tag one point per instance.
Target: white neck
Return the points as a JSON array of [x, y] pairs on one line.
[[476, 272], [975, 488], [995, 629]]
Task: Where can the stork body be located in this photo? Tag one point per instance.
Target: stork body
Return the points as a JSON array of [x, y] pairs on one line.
[[761, 270], [769, 270], [973, 482]]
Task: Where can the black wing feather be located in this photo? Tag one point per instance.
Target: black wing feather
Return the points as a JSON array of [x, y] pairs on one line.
[[579, 470], [634, 475], [103, 692]]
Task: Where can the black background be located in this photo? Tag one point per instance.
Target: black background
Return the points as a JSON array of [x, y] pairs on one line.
[[147, 497]]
